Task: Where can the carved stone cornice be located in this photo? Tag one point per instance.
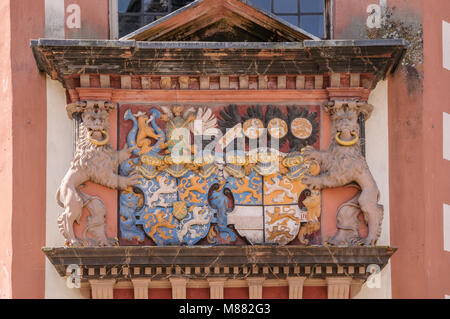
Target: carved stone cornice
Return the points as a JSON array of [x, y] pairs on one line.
[[64, 58], [198, 262]]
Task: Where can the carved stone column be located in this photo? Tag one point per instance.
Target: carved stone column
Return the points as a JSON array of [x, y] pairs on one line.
[[296, 287], [178, 287], [339, 287], [216, 287], [140, 287], [255, 287], [102, 288]]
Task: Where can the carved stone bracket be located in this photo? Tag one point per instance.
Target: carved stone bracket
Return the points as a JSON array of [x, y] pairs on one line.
[[140, 286], [296, 287], [178, 287], [102, 288], [216, 286], [339, 288], [255, 287]]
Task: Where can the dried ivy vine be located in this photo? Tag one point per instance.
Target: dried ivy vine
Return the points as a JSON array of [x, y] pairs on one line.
[[393, 27]]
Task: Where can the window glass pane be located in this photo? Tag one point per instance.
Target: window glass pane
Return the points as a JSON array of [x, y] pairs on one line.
[[148, 19], [263, 4], [311, 6], [285, 6], [176, 4], [129, 6], [128, 24], [313, 24], [156, 5], [290, 19]]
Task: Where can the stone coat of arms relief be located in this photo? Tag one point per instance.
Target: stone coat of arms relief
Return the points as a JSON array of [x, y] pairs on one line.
[[218, 175], [212, 177]]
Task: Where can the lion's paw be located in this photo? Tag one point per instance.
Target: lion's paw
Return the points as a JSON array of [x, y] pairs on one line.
[[368, 241], [312, 182]]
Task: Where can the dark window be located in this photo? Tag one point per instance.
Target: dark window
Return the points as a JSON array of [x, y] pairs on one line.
[[134, 14], [310, 15]]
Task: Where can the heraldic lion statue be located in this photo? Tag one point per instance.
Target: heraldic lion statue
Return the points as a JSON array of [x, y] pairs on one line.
[[342, 164], [94, 160]]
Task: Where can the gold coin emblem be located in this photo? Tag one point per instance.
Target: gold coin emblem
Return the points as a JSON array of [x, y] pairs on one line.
[[253, 128], [301, 128], [277, 128]]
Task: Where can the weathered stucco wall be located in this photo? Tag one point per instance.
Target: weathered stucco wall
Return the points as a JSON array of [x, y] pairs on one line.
[[436, 170], [406, 180], [59, 155], [6, 147], [350, 16], [22, 164], [377, 154], [94, 23]]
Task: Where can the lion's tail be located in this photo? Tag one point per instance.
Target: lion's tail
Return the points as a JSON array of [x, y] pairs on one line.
[[60, 220], [58, 198]]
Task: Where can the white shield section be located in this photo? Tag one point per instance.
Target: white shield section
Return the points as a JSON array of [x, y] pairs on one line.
[[249, 222]]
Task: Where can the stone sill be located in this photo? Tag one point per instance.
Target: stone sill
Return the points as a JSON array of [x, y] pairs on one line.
[[234, 262]]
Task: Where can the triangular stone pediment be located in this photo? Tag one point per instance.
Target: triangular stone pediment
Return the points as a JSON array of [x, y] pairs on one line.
[[220, 21]]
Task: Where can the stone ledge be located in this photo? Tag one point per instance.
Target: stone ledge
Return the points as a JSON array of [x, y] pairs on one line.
[[220, 261], [64, 58]]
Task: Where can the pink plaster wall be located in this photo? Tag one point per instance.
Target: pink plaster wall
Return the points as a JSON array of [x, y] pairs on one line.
[[94, 20], [23, 149], [436, 169], [29, 151], [350, 16], [6, 146]]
